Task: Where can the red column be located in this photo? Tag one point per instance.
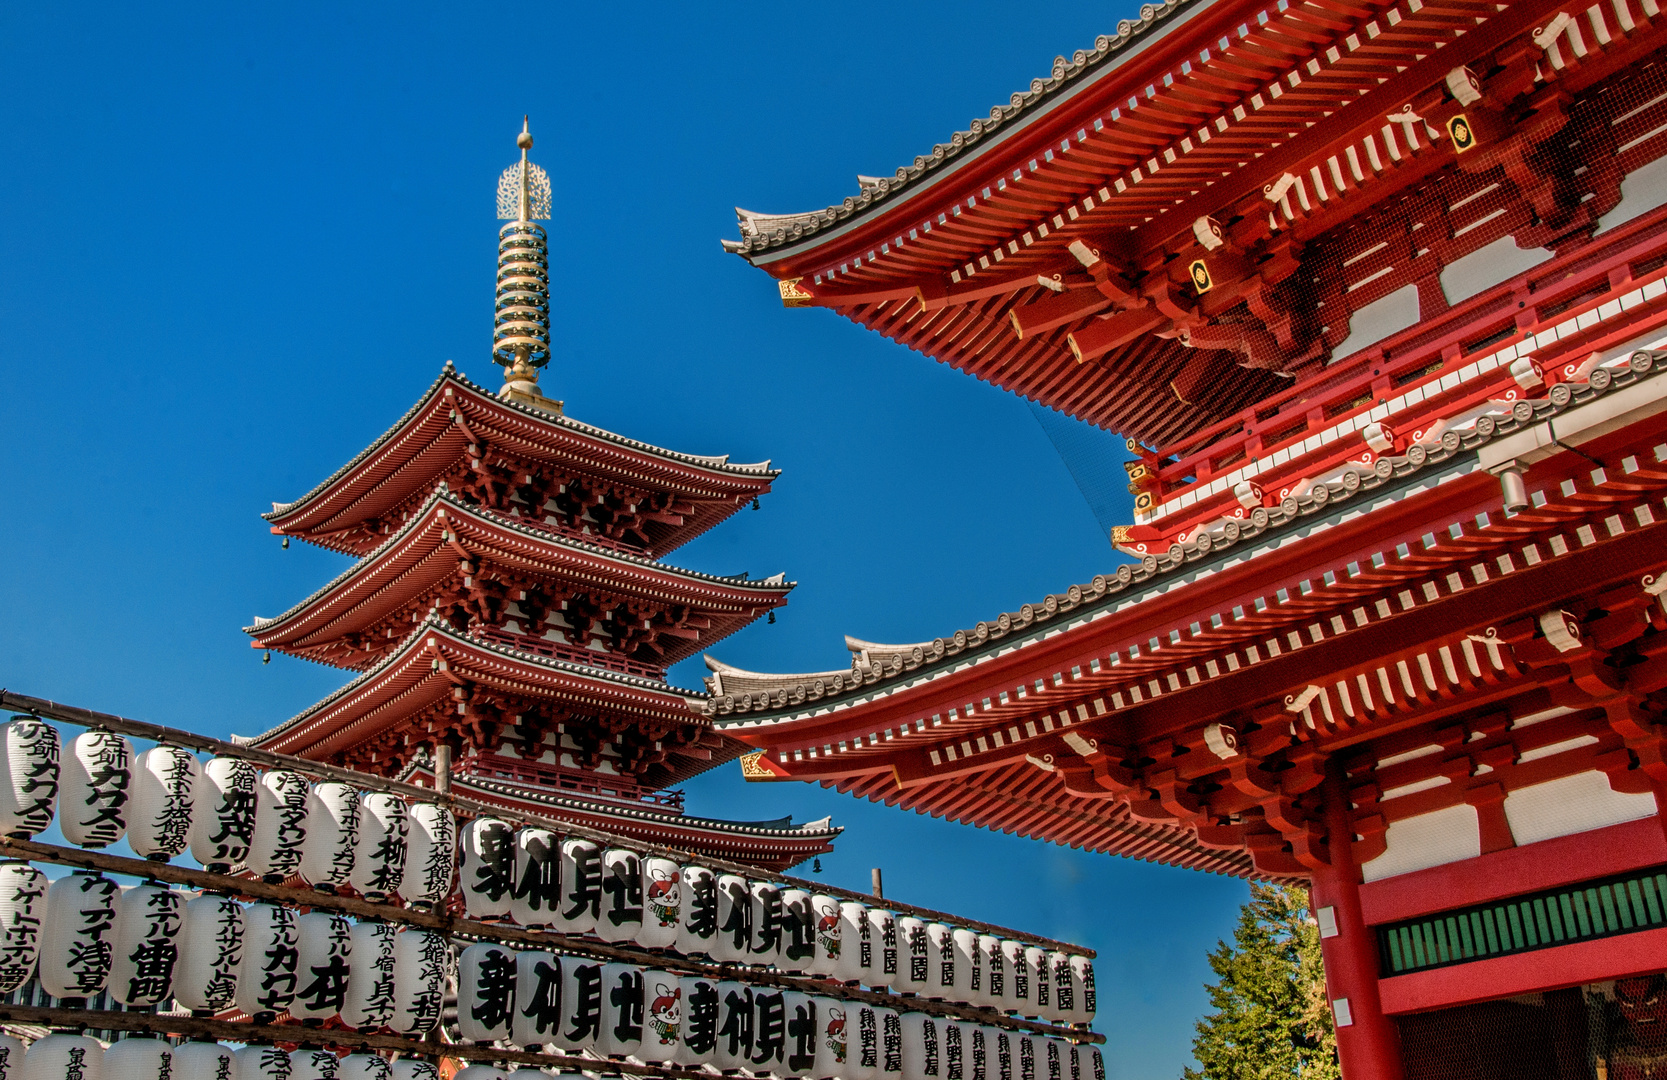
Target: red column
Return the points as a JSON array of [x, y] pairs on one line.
[[1367, 1043]]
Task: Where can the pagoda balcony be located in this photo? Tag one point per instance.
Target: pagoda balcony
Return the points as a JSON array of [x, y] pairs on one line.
[[551, 777], [560, 650]]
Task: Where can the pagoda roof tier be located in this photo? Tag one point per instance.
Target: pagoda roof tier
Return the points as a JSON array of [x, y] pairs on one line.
[[1110, 716], [449, 546], [438, 672], [461, 431], [771, 845], [1053, 247]]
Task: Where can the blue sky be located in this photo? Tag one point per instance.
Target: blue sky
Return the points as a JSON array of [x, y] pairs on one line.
[[237, 242]]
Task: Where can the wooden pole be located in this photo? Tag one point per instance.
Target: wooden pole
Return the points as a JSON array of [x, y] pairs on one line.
[[878, 892]]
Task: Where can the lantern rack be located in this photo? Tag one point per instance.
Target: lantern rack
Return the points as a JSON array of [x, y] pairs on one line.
[[70, 714]]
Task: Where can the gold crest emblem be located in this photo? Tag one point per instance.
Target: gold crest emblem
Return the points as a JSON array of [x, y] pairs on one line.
[[792, 295], [753, 767], [1463, 136], [1201, 279]]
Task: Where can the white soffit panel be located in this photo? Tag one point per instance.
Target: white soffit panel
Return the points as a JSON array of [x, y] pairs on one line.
[[1418, 843], [1571, 804]]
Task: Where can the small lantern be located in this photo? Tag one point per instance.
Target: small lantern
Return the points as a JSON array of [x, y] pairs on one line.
[[1001, 1050], [581, 885], [485, 992], [11, 1058], [312, 1064], [96, 783], [832, 1052], [138, 1058], [914, 956], [1082, 981], [487, 867], [802, 1028], [379, 854], [662, 903], [148, 922], [732, 943], [210, 953], [969, 967], [164, 792], [621, 1033], [321, 965], [223, 819], [1087, 1062], [537, 1019], [262, 1063], [280, 826], [995, 972], [732, 1045], [332, 834], [204, 1061], [922, 1047], [827, 935], [620, 915], [891, 1044], [956, 1055], [769, 1031], [862, 1041], [1066, 990], [856, 949], [1021, 994], [422, 960], [883, 927], [415, 1069], [29, 776], [77, 935], [368, 1003], [697, 1035], [1041, 982], [430, 854], [536, 893], [581, 1003], [363, 1067], [267, 979], [22, 910], [63, 1057], [798, 931], [940, 979], [697, 925], [663, 1016]]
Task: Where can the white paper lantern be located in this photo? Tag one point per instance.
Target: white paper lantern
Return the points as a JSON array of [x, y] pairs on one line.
[[620, 915], [621, 1033], [146, 945], [581, 1003], [891, 1044], [482, 1072], [827, 935], [1021, 995], [332, 835], [968, 963], [96, 782], [862, 1041], [883, 925], [697, 923], [856, 948], [223, 819], [995, 972], [138, 1058], [581, 886], [164, 793], [798, 930], [77, 935], [1087, 1063], [280, 825], [769, 1031], [369, 1002], [430, 854], [766, 919], [11, 1058], [799, 1054], [914, 956], [28, 776], [662, 1025], [487, 867], [697, 1035], [485, 992], [422, 960], [955, 1051], [1026, 1056], [204, 1061], [535, 896], [1055, 1053], [940, 980], [379, 854], [210, 954], [22, 910], [363, 1067], [415, 1069], [1065, 989], [1082, 981], [662, 887], [262, 1063], [1041, 982], [64, 1057], [1002, 1058], [267, 978], [922, 1047], [305, 1064], [732, 944], [324, 946], [978, 1051], [732, 1048], [537, 1019], [832, 1052]]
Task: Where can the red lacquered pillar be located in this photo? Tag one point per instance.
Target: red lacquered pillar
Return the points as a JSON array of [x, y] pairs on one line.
[[1367, 1042]]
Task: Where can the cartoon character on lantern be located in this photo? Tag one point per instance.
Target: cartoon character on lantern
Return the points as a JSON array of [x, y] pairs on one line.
[[662, 897], [665, 1013], [834, 1034]]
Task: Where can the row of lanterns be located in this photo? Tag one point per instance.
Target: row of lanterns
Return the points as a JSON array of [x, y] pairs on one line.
[[78, 1057], [572, 885]]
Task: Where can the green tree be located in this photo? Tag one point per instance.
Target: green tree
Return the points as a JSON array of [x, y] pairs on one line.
[[1271, 1018]]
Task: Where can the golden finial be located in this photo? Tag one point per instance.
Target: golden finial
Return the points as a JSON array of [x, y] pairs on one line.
[[521, 331]]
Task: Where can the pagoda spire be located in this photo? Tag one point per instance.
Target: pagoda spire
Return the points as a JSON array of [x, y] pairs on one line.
[[521, 325]]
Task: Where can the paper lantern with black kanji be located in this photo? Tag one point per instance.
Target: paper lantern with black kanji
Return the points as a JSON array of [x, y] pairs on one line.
[[769, 1031], [883, 927], [204, 1061], [1021, 995], [697, 921], [940, 979], [1066, 991], [485, 992], [11, 1058], [581, 1003], [64, 1057], [995, 972], [732, 1047], [363, 1067], [487, 868], [28, 776], [581, 886], [96, 781], [223, 819], [1054, 1055], [481, 1072], [262, 1063], [266, 979], [862, 1041], [891, 1045], [798, 931], [415, 1069], [280, 825], [146, 945], [430, 854], [1082, 981], [537, 1019], [663, 1008], [210, 953], [138, 1058], [324, 945], [535, 893], [1027, 1055], [662, 891], [77, 935], [955, 1050], [922, 1047], [914, 956], [332, 835], [732, 942], [305, 1064], [22, 911], [697, 1034], [765, 919], [833, 1039], [421, 962], [164, 795], [978, 1051], [368, 1003], [621, 1033], [620, 915], [1087, 1063], [968, 960], [827, 935], [1000, 1046], [379, 854], [1041, 982], [856, 944], [799, 1053]]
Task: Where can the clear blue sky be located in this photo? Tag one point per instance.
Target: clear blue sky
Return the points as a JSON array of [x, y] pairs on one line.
[[236, 242]]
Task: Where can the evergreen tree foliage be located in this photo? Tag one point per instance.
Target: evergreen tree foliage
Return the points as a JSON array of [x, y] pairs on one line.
[[1271, 1019]]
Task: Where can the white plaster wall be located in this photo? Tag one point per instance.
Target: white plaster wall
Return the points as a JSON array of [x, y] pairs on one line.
[[1572, 804], [1379, 319], [1486, 267], [1418, 843]]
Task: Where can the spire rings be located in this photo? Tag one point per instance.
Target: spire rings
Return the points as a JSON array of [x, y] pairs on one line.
[[521, 324]]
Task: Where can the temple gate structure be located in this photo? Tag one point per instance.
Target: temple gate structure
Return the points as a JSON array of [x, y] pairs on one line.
[[1377, 291]]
